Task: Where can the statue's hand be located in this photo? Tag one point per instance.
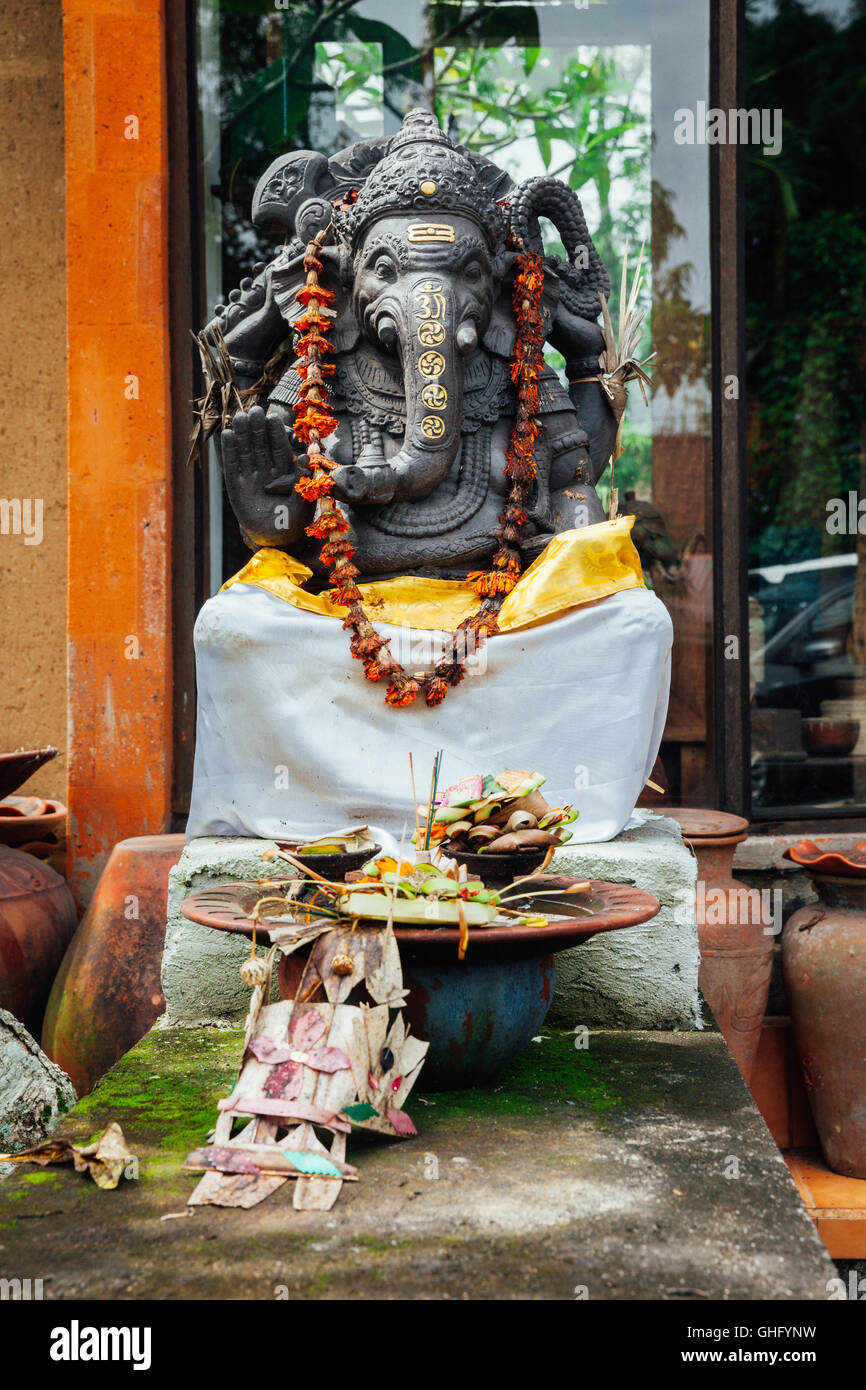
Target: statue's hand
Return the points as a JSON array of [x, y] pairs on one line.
[[251, 324], [354, 483], [576, 338], [261, 470]]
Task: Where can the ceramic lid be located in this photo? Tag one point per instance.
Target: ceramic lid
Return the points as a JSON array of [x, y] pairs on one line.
[[699, 824]]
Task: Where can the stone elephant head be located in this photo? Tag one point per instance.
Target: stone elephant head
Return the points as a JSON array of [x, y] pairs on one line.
[[421, 255]]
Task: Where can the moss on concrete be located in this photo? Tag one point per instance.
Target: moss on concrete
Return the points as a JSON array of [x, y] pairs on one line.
[[167, 1087], [548, 1074], [165, 1090], [564, 1162]]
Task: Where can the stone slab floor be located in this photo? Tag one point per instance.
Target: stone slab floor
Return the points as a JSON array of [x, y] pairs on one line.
[[637, 1168]]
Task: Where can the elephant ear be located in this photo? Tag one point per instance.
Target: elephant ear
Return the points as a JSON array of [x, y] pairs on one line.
[[295, 194], [583, 275], [496, 183], [499, 335]]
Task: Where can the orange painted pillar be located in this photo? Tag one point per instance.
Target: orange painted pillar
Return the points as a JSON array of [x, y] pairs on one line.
[[119, 638]]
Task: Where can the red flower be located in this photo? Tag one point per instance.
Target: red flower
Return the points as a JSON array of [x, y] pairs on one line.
[[507, 560], [315, 291], [314, 319], [362, 647], [435, 690], [314, 342], [311, 489], [451, 671], [402, 692], [335, 550], [487, 583], [327, 523], [312, 417], [326, 368], [357, 618]]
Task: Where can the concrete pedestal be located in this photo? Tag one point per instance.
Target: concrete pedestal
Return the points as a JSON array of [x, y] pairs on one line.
[[646, 977], [633, 1168]]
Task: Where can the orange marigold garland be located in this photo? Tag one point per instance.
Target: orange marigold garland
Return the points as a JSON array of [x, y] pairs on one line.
[[314, 423]]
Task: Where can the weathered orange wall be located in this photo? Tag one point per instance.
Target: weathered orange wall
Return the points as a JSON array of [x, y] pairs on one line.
[[33, 374], [119, 658]]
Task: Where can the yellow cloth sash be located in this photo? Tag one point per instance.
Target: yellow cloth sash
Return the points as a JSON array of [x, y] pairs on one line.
[[577, 567]]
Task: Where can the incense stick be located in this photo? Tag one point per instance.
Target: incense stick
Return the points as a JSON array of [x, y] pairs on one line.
[[434, 781], [415, 801]]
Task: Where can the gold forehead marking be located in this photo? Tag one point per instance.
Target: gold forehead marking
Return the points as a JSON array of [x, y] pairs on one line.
[[428, 187], [430, 231]]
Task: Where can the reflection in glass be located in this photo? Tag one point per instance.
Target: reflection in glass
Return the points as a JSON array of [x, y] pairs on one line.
[[806, 288]]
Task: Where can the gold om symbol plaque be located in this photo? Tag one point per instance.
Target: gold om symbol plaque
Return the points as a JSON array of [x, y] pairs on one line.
[[431, 333], [432, 427], [435, 396], [431, 364], [430, 300]]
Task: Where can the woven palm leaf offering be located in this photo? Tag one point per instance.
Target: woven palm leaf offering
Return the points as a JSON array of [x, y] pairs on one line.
[[336, 854], [315, 1066]]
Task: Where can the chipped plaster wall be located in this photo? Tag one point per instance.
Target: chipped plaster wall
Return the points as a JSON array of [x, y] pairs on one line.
[[33, 373]]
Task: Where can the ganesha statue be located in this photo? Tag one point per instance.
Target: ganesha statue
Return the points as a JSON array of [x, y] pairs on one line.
[[408, 469]]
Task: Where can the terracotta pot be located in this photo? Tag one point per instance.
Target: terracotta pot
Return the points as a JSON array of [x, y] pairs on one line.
[[831, 737], [108, 994], [37, 921], [735, 940], [824, 963]]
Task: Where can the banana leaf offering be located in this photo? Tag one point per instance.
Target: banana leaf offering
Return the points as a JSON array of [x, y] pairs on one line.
[[490, 815]]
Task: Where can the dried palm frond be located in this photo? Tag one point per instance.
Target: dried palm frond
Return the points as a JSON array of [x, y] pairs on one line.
[[619, 361], [222, 399]]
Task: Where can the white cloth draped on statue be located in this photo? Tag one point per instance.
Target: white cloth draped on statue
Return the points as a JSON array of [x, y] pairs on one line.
[[293, 741]]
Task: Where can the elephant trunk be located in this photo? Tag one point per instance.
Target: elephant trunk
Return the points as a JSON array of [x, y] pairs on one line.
[[432, 346]]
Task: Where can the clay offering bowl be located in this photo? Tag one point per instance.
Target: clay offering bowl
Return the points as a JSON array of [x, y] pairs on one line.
[[496, 870], [829, 738], [28, 818], [334, 866]]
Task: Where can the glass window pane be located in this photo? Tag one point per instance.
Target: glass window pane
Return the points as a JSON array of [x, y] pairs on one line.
[[587, 91], [806, 289]]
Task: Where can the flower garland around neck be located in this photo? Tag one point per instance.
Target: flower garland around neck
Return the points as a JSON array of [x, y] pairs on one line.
[[315, 423]]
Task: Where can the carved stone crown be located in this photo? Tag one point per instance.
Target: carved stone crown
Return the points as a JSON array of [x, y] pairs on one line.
[[423, 171]]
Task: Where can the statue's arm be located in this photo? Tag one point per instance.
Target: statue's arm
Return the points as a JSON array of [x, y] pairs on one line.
[[580, 341], [260, 470]]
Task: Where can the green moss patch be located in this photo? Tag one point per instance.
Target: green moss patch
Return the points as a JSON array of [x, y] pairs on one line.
[[164, 1092], [545, 1076]]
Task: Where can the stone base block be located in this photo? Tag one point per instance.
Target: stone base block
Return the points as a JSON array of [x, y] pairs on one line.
[[647, 976], [200, 966]]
